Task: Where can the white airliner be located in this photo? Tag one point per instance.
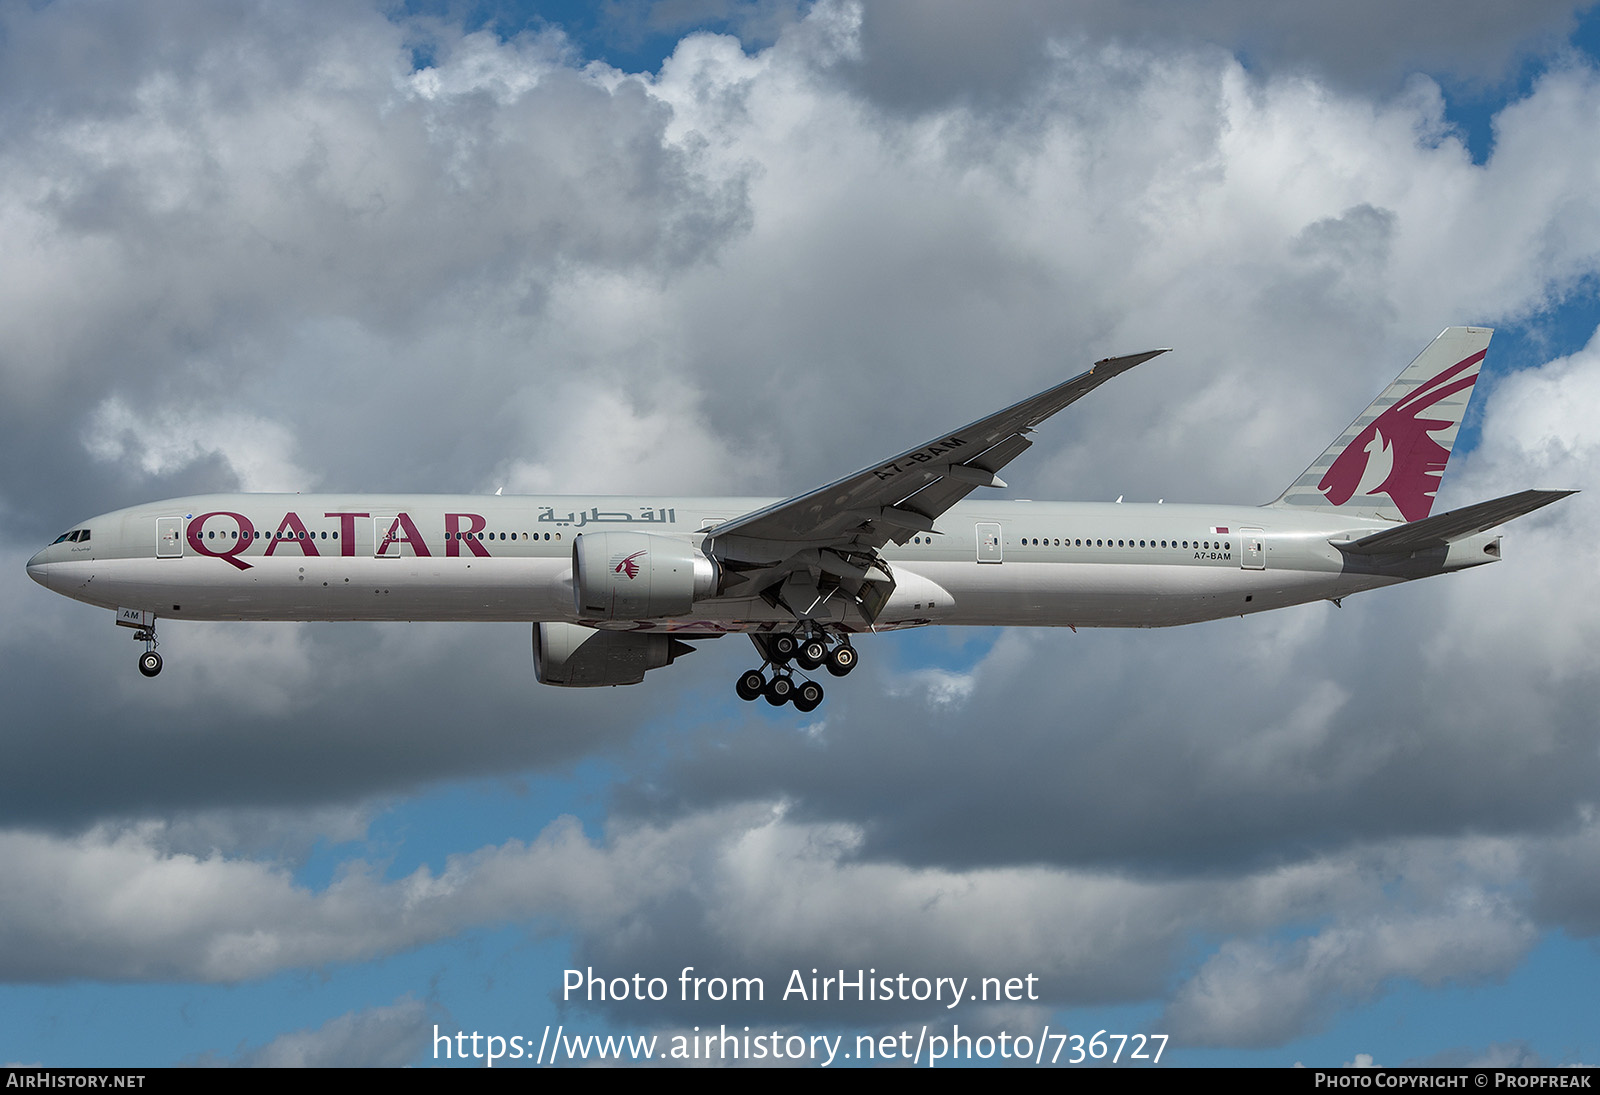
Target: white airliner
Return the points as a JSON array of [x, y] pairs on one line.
[[614, 585]]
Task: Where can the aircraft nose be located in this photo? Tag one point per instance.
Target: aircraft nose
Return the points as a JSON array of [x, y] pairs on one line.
[[39, 570]]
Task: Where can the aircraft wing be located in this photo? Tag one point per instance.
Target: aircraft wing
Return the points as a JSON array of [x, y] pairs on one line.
[[902, 496]]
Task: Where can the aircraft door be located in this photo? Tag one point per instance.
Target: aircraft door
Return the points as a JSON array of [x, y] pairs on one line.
[[169, 537], [1252, 549], [391, 537], [990, 545]]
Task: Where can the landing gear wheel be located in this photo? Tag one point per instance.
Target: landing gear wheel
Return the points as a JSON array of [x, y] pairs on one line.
[[807, 696], [842, 660], [149, 663], [812, 653], [779, 691], [783, 648], [751, 684]]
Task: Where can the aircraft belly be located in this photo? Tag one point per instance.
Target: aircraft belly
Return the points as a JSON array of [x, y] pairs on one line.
[[1052, 594], [327, 588]]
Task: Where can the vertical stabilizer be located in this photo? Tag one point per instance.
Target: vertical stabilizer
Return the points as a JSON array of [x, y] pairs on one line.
[[1389, 462]]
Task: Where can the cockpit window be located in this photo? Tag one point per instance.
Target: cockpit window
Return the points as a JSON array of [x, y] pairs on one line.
[[76, 536], [60, 539]]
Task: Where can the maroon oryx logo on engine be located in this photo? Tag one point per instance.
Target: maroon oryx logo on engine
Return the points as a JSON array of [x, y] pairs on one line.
[[1412, 461], [629, 566]]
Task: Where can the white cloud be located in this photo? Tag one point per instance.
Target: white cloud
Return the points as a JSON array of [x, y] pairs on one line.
[[1266, 994], [607, 437], [749, 889], [258, 452], [378, 1037], [935, 687]]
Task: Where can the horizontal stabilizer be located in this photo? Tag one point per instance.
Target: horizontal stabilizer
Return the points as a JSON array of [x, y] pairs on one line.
[[1441, 529]]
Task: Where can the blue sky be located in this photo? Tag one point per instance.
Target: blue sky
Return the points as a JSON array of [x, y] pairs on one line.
[[560, 247]]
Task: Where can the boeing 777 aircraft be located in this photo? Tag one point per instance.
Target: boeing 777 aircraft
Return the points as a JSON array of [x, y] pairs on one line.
[[615, 585]]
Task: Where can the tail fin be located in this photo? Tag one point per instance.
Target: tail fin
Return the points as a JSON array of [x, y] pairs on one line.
[[1389, 462]]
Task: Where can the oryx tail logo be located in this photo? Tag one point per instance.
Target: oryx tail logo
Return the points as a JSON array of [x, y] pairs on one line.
[[629, 565], [1397, 454]]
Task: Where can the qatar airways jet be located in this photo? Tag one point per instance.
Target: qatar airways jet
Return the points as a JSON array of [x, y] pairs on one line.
[[615, 585]]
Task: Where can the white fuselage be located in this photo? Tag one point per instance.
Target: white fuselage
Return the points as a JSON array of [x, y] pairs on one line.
[[471, 557]]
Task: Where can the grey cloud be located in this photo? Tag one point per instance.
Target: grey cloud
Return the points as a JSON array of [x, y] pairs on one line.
[[920, 56], [1145, 749], [276, 715], [279, 715], [1565, 876]]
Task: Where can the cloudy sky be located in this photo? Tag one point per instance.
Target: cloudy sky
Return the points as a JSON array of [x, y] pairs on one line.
[[703, 247]]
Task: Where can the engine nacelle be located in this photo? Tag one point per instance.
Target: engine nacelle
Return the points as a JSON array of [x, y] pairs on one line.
[[638, 576], [575, 656]]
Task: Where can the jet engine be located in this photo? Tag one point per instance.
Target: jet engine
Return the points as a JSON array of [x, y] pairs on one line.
[[638, 576], [581, 657]]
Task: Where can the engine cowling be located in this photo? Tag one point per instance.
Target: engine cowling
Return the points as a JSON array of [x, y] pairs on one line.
[[638, 576], [574, 656]]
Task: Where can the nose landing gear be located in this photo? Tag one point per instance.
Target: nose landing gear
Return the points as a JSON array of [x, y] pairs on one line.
[[149, 661], [144, 631], [810, 652]]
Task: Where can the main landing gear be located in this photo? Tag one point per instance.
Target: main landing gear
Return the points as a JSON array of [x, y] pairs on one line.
[[810, 652]]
